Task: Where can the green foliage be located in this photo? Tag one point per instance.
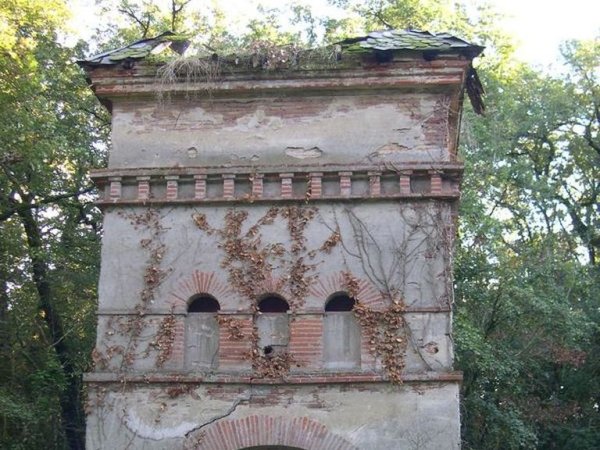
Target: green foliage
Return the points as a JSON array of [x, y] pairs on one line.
[[527, 269], [53, 132]]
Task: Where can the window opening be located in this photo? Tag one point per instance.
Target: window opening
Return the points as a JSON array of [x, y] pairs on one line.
[[273, 304], [204, 303], [273, 326], [202, 333], [340, 302], [341, 334]]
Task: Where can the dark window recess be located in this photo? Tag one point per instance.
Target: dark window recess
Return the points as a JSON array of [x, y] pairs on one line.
[[420, 184], [273, 325], [273, 304], [203, 303], [339, 302]]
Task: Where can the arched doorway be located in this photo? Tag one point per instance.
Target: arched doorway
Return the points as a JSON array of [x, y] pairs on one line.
[[263, 432]]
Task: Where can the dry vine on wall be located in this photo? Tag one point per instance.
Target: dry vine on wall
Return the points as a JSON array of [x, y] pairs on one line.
[[426, 234], [148, 223], [249, 263], [384, 330]]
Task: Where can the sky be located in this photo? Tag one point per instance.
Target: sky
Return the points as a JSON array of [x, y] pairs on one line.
[[538, 25], [541, 25]]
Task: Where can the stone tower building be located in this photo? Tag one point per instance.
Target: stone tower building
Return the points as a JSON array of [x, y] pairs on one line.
[[276, 261]]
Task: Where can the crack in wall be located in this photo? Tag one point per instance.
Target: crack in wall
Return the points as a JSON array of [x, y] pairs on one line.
[[229, 412]]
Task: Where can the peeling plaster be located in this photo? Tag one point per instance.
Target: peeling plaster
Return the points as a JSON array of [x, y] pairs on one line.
[[137, 426], [304, 153], [392, 147]]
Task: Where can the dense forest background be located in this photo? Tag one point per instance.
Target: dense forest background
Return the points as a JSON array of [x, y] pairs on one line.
[[527, 264]]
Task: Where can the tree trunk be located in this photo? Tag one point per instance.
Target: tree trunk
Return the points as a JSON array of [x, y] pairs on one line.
[[5, 342], [72, 415]]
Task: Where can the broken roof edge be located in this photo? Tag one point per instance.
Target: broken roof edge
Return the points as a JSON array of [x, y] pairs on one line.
[[140, 49], [378, 42], [409, 39], [382, 45]]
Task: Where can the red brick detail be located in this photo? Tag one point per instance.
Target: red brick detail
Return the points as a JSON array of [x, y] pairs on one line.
[[228, 185], [367, 294], [176, 358], [257, 185], [273, 285], [172, 186], [315, 184], [306, 337], [236, 352], [200, 186], [374, 184], [345, 184], [262, 430], [405, 183], [143, 192], [115, 188], [199, 283], [286, 185], [436, 183]]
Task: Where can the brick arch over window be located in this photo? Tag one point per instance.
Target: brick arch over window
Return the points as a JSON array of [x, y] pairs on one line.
[[367, 294], [274, 286], [259, 431], [198, 283]]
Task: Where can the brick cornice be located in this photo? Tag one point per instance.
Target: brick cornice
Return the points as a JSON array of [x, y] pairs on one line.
[[248, 312], [215, 185], [248, 379], [142, 79]]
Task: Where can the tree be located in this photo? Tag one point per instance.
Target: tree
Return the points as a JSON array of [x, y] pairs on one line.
[[527, 267], [52, 128]]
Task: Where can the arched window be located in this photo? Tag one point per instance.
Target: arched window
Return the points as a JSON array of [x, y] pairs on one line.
[[273, 304], [273, 325], [339, 302], [341, 333], [202, 333], [203, 303]]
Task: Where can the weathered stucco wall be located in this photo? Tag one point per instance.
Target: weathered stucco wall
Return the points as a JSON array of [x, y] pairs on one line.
[[317, 130], [282, 191], [216, 417], [406, 244], [401, 248]]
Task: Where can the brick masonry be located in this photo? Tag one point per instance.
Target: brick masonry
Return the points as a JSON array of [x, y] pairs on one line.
[[298, 432], [371, 150]]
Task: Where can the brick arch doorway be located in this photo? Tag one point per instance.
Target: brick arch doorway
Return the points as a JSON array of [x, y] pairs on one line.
[[263, 432]]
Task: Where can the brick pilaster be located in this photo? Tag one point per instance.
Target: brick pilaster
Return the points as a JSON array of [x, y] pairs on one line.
[[286, 185], [257, 185], [115, 188], [316, 185], [345, 184], [405, 182], [143, 192], [374, 184], [228, 185], [436, 183], [200, 186], [172, 186]]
